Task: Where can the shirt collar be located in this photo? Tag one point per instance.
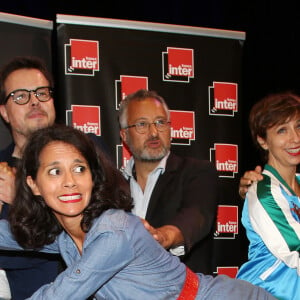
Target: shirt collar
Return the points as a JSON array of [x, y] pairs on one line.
[[128, 170]]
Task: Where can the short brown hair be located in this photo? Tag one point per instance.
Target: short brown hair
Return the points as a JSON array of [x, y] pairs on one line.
[[274, 109]]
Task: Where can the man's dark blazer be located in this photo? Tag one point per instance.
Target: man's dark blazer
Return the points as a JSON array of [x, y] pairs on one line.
[[186, 196]]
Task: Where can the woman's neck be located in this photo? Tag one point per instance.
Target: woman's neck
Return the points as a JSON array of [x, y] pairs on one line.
[[72, 225], [288, 174]]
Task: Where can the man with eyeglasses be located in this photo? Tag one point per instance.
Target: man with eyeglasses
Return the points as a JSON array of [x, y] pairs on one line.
[[26, 104], [176, 197]]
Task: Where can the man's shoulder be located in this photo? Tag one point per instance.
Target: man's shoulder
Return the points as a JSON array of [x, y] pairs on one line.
[[189, 162], [6, 153]]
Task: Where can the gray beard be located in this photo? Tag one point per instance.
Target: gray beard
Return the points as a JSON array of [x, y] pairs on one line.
[[145, 156], [150, 159]]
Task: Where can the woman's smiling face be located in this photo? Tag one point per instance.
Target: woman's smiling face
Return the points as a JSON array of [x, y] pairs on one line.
[[283, 144], [63, 179]]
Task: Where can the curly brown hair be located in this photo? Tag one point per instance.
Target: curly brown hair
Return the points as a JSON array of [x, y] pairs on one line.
[[32, 221]]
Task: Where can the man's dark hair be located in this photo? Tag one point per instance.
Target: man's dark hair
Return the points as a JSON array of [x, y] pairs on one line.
[[18, 63]]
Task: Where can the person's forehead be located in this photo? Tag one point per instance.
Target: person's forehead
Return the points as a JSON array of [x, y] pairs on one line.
[[147, 108], [57, 150], [25, 78]]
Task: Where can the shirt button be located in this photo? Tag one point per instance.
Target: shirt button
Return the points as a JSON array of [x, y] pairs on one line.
[[78, 271]]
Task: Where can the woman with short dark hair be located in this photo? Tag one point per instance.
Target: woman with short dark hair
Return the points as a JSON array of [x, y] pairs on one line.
[[271, 213]]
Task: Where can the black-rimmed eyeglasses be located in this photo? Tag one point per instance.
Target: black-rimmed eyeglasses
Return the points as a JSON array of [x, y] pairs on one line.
[[143, 127], [22, 96]]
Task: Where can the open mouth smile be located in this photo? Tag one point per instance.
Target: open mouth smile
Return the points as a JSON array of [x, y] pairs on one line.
[[70, 198]]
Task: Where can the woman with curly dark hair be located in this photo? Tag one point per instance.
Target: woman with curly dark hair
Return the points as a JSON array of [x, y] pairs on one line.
[[71, 200], [34, 225]]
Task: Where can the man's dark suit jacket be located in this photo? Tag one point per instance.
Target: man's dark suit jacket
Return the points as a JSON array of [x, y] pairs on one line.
[[186, 196]]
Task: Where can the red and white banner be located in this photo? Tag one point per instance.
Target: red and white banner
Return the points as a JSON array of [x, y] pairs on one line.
[[196, 70]]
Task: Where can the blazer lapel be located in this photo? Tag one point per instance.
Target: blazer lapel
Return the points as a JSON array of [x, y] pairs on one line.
[[173, 163]]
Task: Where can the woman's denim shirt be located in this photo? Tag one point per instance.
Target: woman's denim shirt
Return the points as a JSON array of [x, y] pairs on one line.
[[120, 260]]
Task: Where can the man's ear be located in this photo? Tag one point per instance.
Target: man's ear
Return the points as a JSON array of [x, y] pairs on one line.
[[262, 142], [123, 135], [3, 113], [34, 188]]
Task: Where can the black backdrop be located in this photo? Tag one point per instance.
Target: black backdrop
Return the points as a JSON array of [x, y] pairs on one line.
[[270, 53], [139, 49], [214, 57], [271, 50]]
